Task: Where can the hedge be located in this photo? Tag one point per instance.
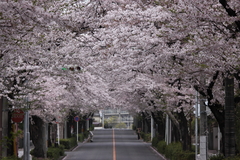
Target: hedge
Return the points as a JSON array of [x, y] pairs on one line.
[[221, 157], [186, 155], [172, 150], [55, 152], [155, 142], [161, 146], [81, 137], [69, 143], [11, 158], [146, 136]]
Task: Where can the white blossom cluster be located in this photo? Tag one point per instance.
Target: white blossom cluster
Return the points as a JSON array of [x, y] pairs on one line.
[[87, 55]]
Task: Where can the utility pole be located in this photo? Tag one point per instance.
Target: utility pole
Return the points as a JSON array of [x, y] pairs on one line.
[[168, 133], [5, 127], [203, 129], [152, 130], [103, 118], [65, 129], [196, 127], [26, 133], [87, 123]]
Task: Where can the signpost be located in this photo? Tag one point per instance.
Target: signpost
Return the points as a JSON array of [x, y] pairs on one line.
[[76, 119], [26, 137], [17, 115]]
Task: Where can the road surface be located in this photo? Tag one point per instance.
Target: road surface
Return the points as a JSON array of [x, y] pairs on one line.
[[114, 144]]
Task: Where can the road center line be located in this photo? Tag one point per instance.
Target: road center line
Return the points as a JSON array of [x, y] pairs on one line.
[[114, 147]]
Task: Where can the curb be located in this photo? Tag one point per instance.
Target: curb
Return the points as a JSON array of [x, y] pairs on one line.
[[73, 149], [154, 149]]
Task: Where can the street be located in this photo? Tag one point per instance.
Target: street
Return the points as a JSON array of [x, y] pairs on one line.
[[116, 144]]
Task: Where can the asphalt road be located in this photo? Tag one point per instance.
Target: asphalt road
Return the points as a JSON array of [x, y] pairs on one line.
[[114, 144]]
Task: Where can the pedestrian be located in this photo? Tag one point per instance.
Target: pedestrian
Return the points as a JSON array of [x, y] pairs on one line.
[[138, 132], [90, 136]]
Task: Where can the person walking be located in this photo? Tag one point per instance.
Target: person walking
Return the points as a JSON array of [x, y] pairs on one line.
[[138, 132], [90, 136]]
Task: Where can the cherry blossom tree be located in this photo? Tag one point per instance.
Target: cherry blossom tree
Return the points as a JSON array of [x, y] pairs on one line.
[[192, 39], [90, 54]]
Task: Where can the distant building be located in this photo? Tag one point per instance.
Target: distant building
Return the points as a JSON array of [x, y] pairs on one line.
[[113, 118]]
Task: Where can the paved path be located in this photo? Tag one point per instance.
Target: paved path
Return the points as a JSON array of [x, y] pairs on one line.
[[114, 145]]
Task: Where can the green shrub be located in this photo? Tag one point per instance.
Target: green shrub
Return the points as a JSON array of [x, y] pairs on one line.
[[134, 127], [81, 137], [155, 141], [161, 146], [11, 158], [85, 134], [173, 151], [35, 153], [69, 143], [53, 153], [146, 136], [65, 143], [73, 142], [233, 158], [186, 155], [61, 150], [221, 157], [142, 135], [120, 125]]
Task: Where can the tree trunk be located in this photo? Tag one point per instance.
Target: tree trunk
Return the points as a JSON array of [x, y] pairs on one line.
[[49, 135], [160, 125], [237, 127], [175, 134], [176, 123], [38, 136], [10, 136], [229, 118], [186, 139], [1, 126]]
